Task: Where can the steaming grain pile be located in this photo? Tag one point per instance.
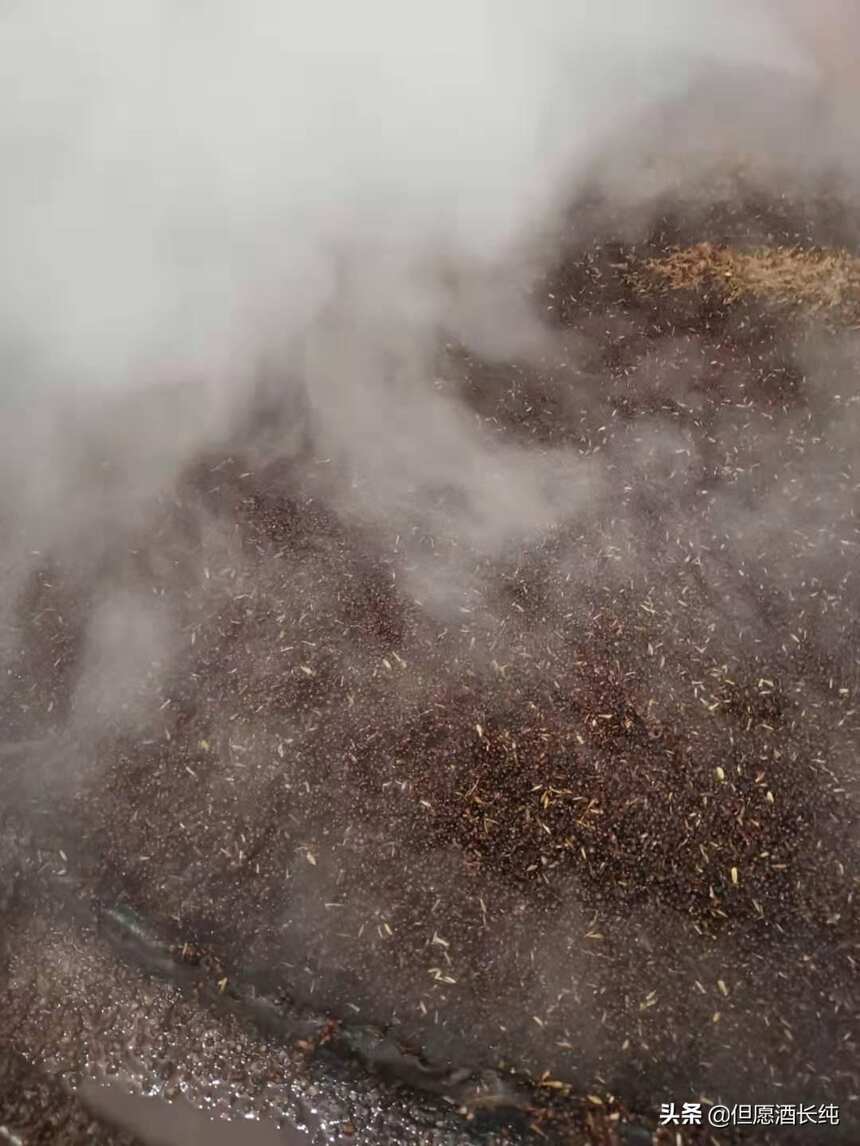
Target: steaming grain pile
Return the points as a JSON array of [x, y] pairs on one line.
[[586, 816], [429, 610]]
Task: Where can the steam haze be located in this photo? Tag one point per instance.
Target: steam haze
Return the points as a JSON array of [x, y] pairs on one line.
[[191, 196], [349, 506]]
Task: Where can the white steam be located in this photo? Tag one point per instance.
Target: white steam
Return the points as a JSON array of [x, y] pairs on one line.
[[187, 188]]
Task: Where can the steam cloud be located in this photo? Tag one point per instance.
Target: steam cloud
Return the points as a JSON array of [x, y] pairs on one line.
[[193, 196]]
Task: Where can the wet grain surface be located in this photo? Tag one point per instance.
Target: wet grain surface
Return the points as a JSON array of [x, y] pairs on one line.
[[584, 805]]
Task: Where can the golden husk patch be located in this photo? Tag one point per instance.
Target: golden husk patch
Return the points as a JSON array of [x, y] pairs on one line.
[[817, 281]]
